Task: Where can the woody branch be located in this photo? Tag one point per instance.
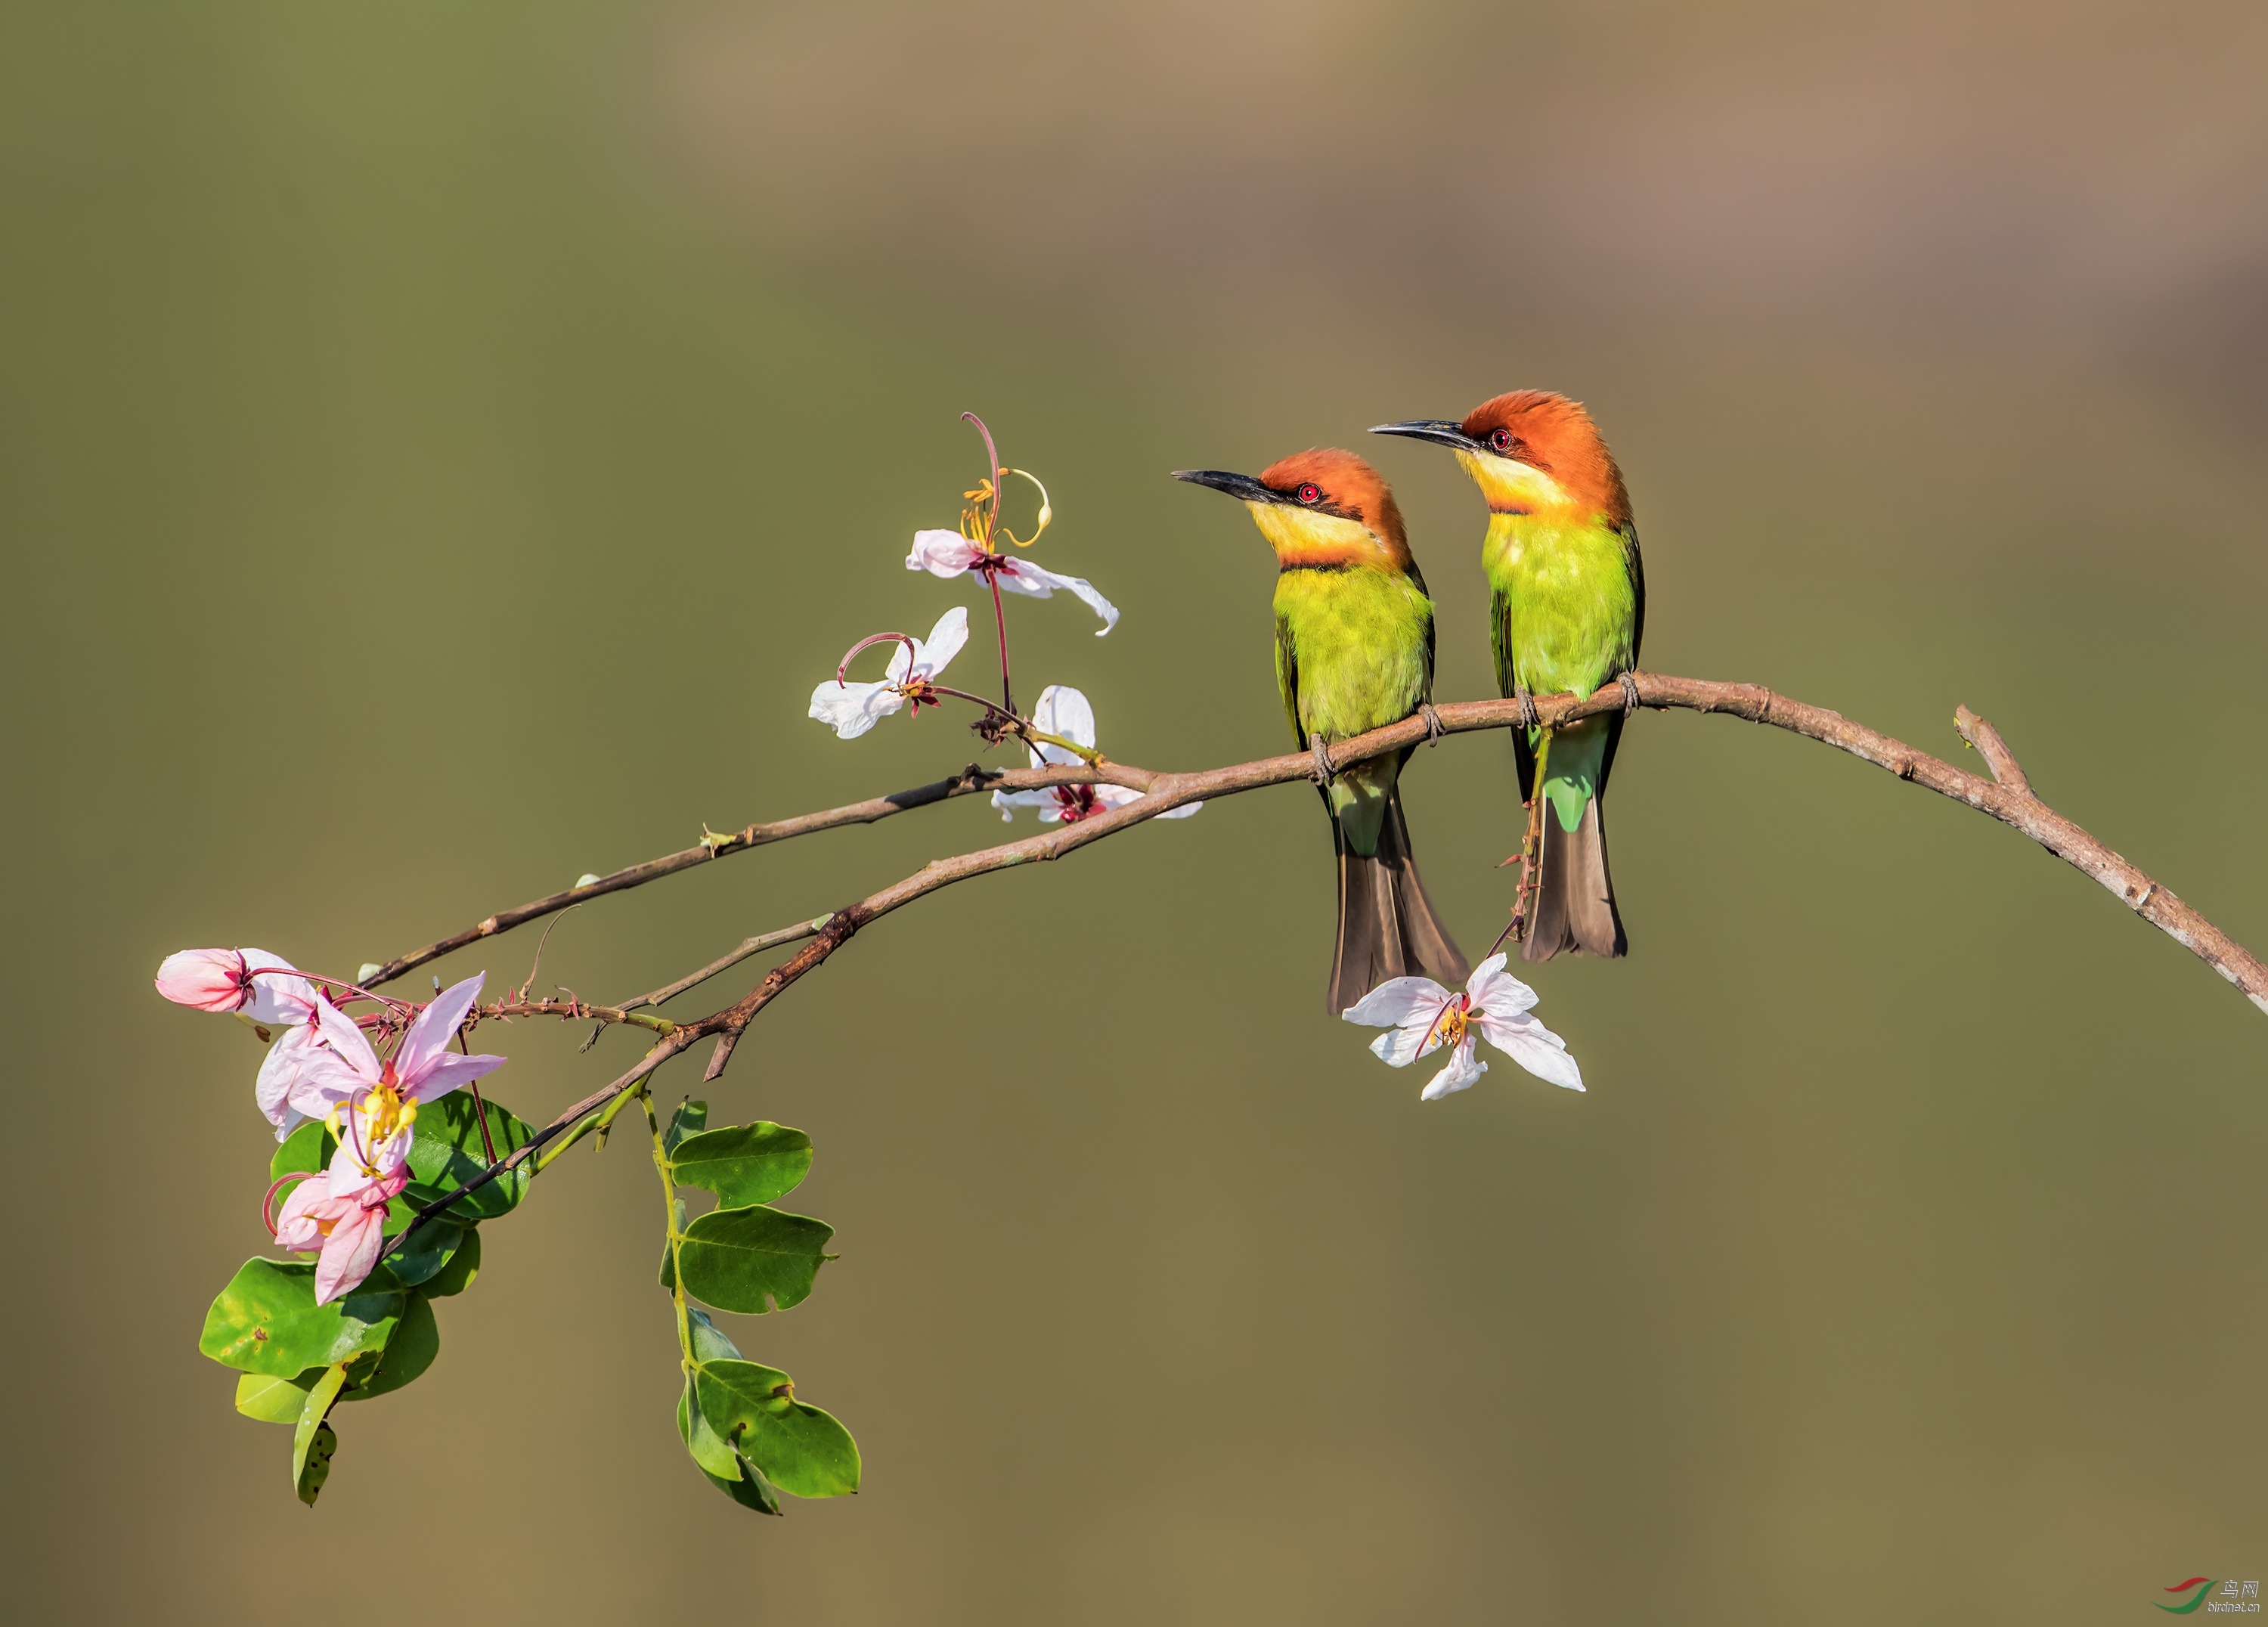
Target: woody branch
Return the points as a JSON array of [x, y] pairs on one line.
[[2006, 796]]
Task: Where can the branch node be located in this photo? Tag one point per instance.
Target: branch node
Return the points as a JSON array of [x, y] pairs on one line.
[[1987, 741]]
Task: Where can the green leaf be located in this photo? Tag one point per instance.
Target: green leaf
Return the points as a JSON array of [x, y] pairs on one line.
[[265, 1320], [272, 1400], [709, 1342], [739, 1482], [306, 1150], [428, 1251], [458, 1274], [795, 1446], [714, 1454], [751, 1260], [447, 1152], [312, 1443], [689, 1119], [315, 1469], [413, 1347], [743, 1164]]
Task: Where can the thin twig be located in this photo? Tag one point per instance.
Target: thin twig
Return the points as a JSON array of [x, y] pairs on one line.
[[725, 962], [1998, 757]]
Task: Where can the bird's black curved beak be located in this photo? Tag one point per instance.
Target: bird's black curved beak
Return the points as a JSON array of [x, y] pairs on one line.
[[1440, 431], [1242, 486]]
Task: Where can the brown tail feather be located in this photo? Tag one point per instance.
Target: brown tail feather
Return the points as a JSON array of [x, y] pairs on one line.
[[1574, 905], [1387, 925]]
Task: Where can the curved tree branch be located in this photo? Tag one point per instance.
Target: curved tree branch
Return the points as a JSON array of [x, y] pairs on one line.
[[2006, 797]]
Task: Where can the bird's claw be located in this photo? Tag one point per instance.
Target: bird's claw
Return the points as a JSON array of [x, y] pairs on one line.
[[1629, 692], [1323, 754], [1529, 718], [1434, 729]]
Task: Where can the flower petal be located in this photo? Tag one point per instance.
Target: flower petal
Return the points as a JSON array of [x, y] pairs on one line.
[[1533, 1045], [1066, 712], [273, 998], [1009, 802], [452, 1073], [298, 1224], [942, 645], [1399, 1000], [429, 1036], [1021, 576], [279, 1072], [1492, 988], [1463, 1069], [941, 553], [349, 1253], [344, 1062], [852, 709]]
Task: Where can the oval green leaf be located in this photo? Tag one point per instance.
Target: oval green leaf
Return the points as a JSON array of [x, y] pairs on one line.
[[428, 1250], [753, 1260], [741, 1484], [272, 1400], [795, 1446], [458, 1274], [313, 1442], [267, 1321], [690, 1119], [447, 1152], [413, 1347], [709, 1449], [743, 1164], [315, 1463]]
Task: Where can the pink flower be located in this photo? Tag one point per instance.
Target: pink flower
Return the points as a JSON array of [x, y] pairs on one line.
[[1065, 712], [234, 980], [949, 554], [371, 1104], [349, 1231]]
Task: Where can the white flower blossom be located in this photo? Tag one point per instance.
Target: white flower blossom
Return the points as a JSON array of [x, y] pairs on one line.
[[949, 554], [1064, 710], [1421, 1016], [852, 709]]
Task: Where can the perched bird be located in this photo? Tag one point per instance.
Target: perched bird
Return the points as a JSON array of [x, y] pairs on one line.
[[1566, 609], [1354, 652]]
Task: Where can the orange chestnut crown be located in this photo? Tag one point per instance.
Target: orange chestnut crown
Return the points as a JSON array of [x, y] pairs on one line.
[[1321, 507], [1540, 430]]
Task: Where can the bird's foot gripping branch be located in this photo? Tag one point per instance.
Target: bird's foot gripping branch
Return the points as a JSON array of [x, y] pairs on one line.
[[389, 1159]]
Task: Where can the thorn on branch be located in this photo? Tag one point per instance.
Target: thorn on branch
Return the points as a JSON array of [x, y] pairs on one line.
[[1988, 744]]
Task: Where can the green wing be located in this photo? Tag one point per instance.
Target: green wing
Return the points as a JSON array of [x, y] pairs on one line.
[[1636, 566], [1287, 678]]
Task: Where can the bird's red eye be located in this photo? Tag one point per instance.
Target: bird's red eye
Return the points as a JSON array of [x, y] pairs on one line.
[[1501, 438], [1310, 493]]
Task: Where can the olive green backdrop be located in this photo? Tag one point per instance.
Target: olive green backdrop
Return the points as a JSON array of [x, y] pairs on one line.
[[441, 447]]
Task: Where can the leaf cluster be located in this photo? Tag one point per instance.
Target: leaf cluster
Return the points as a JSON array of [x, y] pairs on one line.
[[739, 1419], [299, 1359]]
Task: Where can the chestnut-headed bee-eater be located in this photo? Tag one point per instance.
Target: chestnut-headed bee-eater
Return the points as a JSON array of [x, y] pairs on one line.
[[1354, 652], [1566, 610]]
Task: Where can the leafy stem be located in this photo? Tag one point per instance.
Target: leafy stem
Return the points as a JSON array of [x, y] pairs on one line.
[[676, 1236]]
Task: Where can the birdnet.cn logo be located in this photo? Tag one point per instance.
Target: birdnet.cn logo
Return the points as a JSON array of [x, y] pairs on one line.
[[2209, 1594]]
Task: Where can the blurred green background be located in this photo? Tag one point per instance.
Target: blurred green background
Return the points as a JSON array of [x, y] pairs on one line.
[[441, 448]]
